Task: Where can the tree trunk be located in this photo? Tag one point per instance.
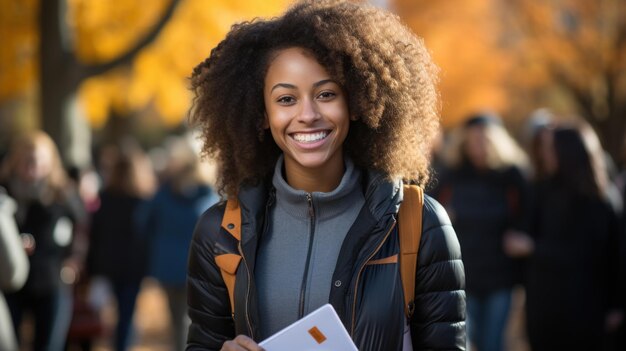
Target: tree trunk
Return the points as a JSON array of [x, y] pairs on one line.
[[60, 75], [55, 77]]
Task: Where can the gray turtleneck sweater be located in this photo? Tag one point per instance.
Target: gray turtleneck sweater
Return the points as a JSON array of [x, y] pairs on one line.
[[298, 253]]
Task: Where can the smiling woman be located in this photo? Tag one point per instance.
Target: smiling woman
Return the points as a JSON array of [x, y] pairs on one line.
[[316, 118], [387, 74]]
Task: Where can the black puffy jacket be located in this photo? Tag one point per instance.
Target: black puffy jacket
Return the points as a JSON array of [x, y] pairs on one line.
[[368, 298]]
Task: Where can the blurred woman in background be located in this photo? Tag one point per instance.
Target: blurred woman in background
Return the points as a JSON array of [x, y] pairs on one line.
[[483, 190], [118, 252], [168, 221], [47, 209], [572, 246]]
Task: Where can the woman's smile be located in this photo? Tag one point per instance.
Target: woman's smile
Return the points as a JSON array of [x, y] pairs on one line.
[[310, 137]]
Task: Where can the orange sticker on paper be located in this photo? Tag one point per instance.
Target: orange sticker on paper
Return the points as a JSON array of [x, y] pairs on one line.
[[317, 335]]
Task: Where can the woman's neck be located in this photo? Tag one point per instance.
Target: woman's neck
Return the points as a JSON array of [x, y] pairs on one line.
[[323, 179]]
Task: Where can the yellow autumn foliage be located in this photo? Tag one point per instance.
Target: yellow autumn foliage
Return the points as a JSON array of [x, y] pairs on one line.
[[103, 29], [159, 73], [18, 40], [480, 48], [463, 40]]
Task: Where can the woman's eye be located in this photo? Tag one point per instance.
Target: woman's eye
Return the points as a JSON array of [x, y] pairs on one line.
[[286, 100], [326, 95]]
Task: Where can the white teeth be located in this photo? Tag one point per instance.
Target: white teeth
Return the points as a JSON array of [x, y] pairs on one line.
[[310, 137]]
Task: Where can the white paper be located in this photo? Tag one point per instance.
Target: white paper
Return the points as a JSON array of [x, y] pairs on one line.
[[320, 330]]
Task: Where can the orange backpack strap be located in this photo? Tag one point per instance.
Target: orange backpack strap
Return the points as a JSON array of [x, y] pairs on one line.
[[410, 227], [229, 263]]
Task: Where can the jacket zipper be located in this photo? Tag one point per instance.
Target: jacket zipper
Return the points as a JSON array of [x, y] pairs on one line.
[[269, 204], [309, 198], [356, 284], [247, 292], [245, 262]]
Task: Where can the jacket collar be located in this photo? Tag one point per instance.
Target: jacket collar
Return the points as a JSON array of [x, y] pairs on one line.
[[382, 197], [327, 204]]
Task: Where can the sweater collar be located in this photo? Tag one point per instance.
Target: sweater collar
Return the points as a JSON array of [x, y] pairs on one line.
[[326, 205]]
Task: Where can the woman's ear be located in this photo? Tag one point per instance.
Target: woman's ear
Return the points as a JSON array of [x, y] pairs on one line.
[[263, 127], [266, 121], [354, 117]]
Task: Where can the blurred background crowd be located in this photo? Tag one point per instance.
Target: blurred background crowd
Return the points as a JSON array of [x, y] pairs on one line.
[[102, 183]]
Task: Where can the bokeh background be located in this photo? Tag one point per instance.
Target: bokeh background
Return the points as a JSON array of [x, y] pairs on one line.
[[90, 72], [104, 68]]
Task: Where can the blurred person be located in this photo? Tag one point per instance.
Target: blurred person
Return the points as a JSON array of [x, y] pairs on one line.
[[106, 157], [572, 246], [48, 207], [484, 189], [168, 220], [13, 267], [619, 337], [117, 251], [87, 324], [89, 185], [542, 155], [538, 127]]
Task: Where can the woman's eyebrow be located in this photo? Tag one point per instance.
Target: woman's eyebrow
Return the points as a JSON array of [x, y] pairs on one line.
[[291, 86], [283, 85], [322, 82]]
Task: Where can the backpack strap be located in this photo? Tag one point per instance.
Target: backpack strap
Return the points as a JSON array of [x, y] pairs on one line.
[[228, 263], [410, 227]]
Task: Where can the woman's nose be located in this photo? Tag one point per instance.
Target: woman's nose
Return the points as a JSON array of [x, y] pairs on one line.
[[309, 111]]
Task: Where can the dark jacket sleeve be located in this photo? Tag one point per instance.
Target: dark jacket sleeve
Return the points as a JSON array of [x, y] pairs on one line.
[[207, 296], [438, 322]]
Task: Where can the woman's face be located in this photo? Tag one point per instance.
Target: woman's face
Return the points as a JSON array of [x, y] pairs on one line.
[[547, 151], [306, 111], [34, 164], [476, 146]]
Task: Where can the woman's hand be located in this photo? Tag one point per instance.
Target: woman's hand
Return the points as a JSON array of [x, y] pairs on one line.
[[614, 318], [70, 271], [517, 244], [28, 241], [241, 343]]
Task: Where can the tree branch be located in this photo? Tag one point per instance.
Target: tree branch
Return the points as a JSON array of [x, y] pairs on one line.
[[92, 70]]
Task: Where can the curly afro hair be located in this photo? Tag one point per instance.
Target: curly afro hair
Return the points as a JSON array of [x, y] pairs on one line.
[[385, 69]]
